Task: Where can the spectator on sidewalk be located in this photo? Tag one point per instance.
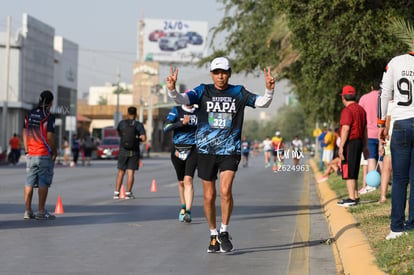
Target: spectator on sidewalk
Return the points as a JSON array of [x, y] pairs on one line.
[[333, 166], [66, 151], [385, 151], [369, 102], [398, 79], [322, 145], [353, 125], [75, 149], [328, 150], [15, 144], [89, 144]]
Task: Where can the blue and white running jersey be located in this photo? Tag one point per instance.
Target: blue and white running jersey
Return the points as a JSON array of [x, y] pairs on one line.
[[220, 117], [183, 134]]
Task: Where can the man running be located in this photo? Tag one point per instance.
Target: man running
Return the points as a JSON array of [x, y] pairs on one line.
[[218, 138], [183, 121], [278, 151]]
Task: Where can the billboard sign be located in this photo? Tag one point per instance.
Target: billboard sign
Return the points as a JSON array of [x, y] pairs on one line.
[[166, 40]]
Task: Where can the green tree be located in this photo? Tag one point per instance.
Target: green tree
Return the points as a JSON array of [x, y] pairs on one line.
[[248, 23], [345, 42], [122, 91], [102, 100], [251, 129], [290, 121], [319, 45]]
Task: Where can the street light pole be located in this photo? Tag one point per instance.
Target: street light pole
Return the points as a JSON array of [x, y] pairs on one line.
[[150, 107], [6, 88], [153, 91], [141, 109], [117, 115]]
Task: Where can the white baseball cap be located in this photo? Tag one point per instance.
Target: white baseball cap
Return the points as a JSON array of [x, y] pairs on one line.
[[220, 63], [277, 133]]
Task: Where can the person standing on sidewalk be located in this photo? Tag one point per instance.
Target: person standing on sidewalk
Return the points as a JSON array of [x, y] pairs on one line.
[[399, 78], [369, 102], [183, 121], [132, 133], [385, 152], [218, 138], [15, 149], [75, 149], [322, 145], [40, 150], [353, 124]]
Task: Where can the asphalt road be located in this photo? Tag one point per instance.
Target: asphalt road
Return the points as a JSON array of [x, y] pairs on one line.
[[277, 224]]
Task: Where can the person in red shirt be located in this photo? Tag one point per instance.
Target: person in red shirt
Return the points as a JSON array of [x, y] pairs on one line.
[[15, 149], [40, 148], [354, 142]]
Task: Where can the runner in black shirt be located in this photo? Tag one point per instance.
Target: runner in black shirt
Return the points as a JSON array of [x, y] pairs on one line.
[[218, 138]]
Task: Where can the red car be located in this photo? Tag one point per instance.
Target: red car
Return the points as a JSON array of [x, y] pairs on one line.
[[155, 35], [109, 148]]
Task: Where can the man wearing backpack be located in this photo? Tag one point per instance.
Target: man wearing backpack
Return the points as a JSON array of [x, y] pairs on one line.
[[131, 133]]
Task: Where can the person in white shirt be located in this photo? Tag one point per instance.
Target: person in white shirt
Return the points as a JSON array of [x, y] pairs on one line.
[[267, 150], [296, 150], [399, 78]]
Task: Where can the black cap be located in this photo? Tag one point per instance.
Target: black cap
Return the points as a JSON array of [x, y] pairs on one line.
[[45, 98], [132, 110]]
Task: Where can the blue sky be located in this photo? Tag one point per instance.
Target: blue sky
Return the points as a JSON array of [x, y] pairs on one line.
[[106, 32]]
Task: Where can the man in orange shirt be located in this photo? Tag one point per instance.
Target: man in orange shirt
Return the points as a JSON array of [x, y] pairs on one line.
[[278, 151], [15, 149]]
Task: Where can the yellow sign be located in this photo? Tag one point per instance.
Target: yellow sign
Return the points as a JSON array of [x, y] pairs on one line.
[[317, 132]]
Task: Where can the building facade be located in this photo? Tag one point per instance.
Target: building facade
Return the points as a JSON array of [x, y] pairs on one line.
[[38, 60]]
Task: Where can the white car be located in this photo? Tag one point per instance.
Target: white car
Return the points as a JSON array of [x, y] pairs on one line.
[[173, 41]]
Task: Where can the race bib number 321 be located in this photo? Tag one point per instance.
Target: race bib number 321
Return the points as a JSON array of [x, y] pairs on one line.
[[219, 120]]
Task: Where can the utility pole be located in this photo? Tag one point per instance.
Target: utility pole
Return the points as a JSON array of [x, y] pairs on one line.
[[141, 26], [117, 114], [141, 109], [6, 88]]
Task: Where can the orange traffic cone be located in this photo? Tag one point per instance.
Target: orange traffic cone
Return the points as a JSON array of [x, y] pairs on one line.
[[59, 206], [153, 186], [122, 192]]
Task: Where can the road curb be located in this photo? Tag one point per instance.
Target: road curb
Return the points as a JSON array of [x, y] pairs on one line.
[[354, 251]]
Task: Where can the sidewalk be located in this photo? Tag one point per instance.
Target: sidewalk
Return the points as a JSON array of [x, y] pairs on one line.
[[354, 251]]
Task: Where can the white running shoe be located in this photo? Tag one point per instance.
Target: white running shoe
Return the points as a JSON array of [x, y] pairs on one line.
[[393, 235]]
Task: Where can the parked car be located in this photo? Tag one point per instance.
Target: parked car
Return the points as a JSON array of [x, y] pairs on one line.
[[194, 38], [109, 148], [155, 35], [173, 41]]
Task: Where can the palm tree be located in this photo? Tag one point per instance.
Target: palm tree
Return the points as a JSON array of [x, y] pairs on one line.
[[403, 30], [281, 32]]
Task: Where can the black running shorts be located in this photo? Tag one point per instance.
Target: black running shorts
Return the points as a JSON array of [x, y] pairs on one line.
[[126, 162], [184, 167], [352, 154], [210, 165]]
